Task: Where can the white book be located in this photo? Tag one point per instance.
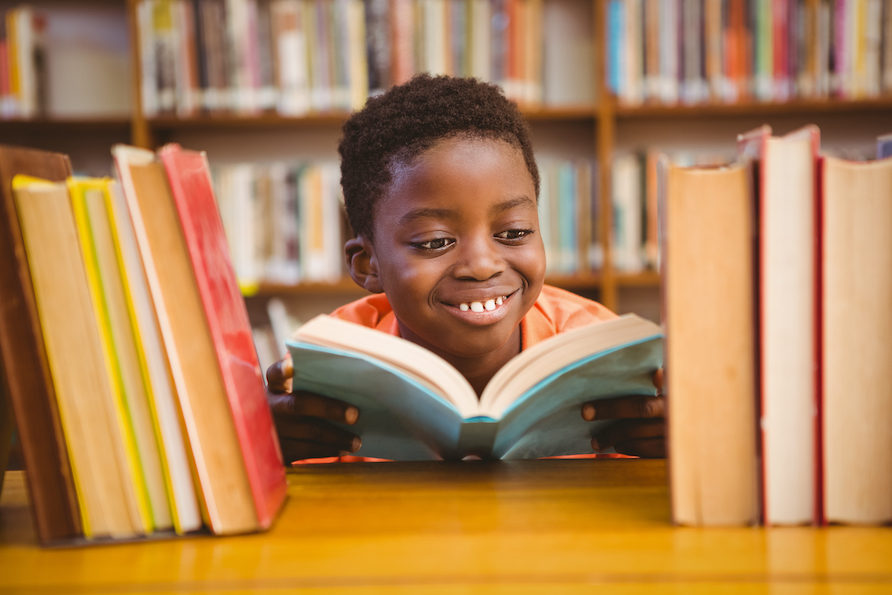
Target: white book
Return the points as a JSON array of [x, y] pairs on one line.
[[290, 40], [787, 199]]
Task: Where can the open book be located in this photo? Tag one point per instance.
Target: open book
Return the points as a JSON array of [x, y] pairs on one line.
[[415, 406]]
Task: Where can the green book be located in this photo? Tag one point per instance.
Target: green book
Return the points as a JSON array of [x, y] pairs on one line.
[[415, 406]]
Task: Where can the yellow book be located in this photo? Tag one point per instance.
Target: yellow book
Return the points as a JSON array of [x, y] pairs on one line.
[[119, 349], [87, 408]]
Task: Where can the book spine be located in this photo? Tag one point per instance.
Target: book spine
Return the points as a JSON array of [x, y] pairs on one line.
[[378, 41], [25, 365], [130, 467]]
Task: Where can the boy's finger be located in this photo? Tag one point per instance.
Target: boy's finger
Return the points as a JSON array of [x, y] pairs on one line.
[[650, 448], [628, 429], [279, 375], [312, 405], [634, 407], [658, 379], [315, 430]]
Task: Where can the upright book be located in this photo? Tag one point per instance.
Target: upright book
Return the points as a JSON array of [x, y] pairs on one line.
[[230, 330], [29, 382], [856, 326], [786, 199], [707, 260], [415, 406]]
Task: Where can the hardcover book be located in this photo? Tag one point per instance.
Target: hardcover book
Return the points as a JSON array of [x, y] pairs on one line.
[[28, 381], [415, 406]]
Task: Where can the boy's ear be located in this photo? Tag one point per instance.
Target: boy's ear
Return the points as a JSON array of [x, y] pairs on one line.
[[360, 254]]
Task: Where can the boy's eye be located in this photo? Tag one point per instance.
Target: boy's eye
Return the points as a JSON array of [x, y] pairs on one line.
[[436, 244], [514, 234]]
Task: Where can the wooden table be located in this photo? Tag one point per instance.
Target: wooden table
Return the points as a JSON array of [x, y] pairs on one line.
[[568, 526]]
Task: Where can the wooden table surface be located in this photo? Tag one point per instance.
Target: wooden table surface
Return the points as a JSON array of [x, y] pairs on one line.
[[563, 526]]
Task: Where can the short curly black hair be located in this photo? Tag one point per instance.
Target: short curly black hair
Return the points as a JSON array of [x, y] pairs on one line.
[[398, 126]]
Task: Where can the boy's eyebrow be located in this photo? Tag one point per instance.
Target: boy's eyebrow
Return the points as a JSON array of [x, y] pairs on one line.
[[520, 201], [433, 213], [427, 213]]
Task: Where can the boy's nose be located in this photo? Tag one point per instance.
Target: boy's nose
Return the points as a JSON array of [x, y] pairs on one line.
[[478, 260]]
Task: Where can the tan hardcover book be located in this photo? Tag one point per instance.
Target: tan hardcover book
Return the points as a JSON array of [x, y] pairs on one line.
[[30, 386], [71, 333], [710, 360], [856, 320], [225, 489]]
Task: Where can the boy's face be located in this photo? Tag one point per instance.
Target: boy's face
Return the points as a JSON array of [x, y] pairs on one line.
[[457, 247]]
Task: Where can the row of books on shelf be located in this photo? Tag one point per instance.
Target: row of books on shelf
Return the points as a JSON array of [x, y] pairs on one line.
[[777, 352], [569, 213], [121, 324], [300, 56], [690, 51], [64, 63], [20, 53], [285, 222]]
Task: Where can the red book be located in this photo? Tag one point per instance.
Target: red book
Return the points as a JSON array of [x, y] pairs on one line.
[[227, 318]]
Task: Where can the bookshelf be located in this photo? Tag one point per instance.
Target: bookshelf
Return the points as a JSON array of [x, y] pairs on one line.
[[587, 120]]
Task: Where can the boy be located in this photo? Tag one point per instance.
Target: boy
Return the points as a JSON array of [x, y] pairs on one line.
[[441, 188]]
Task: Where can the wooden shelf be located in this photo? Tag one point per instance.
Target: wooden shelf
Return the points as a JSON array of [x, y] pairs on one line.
[[66, 125], [754, 108], [273, 120], [562, 113], [229, 121], [581, 281], [642, 279]]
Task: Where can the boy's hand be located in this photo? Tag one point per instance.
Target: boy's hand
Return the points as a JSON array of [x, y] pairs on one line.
[[300, 418], [641, 430]]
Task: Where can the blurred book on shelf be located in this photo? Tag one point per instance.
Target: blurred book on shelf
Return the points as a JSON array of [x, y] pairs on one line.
[[693, 51]]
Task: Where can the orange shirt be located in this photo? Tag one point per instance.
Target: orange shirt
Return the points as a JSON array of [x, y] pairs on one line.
[[555, 311]]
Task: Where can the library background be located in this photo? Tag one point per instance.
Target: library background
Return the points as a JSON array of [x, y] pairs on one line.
[[264, 86]]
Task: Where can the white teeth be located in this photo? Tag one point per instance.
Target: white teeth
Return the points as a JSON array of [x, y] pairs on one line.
[[487, 306]]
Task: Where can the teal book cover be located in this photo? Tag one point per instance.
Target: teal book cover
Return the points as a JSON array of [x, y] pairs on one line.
[[415, 406]]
